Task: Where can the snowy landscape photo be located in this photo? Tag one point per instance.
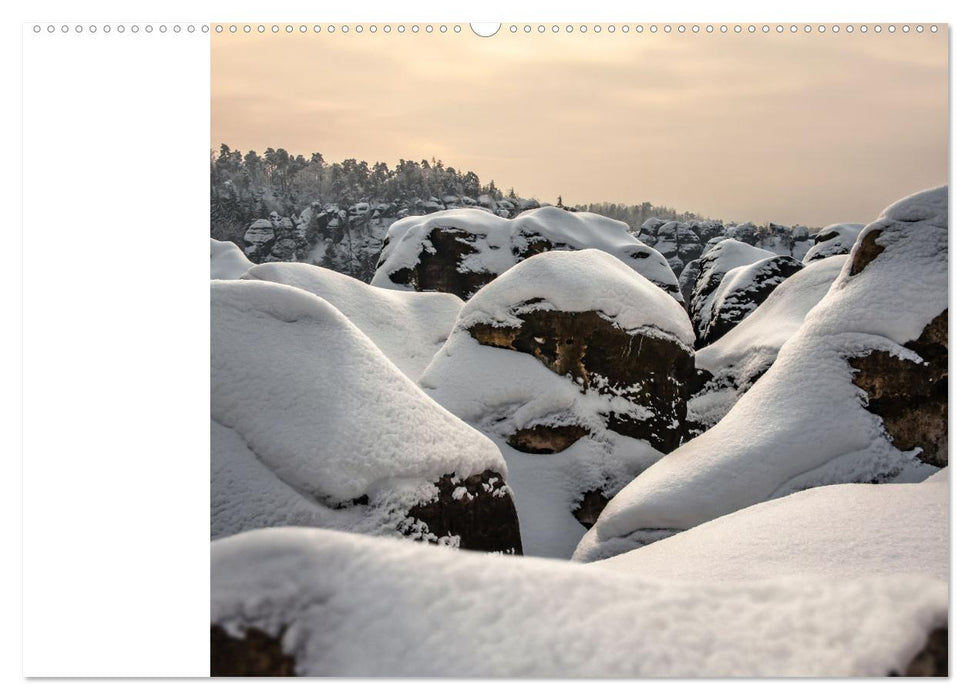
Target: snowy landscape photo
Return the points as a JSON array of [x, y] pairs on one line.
[[579, 351]]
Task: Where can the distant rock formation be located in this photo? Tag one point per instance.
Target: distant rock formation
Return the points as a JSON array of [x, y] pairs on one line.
[[460, 251]]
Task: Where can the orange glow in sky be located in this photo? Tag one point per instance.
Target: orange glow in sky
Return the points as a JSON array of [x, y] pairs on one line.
[[792, 128]]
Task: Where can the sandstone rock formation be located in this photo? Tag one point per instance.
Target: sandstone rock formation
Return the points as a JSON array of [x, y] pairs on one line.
[[580, 370]]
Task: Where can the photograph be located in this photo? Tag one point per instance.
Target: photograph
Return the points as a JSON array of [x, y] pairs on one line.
[[579, 350]]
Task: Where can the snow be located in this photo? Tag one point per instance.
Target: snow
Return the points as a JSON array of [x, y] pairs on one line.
[[577, 281], [835, 239], [746, 351], [500, 391], [408, 327], [804, 423], [841, 532], [320, 406], [226, 260], [351, 605], [498, 243]]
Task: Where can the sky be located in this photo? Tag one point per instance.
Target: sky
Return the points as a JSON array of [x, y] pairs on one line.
[[794, 128]]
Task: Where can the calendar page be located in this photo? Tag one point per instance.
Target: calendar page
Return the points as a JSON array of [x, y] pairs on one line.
[[536, 348]]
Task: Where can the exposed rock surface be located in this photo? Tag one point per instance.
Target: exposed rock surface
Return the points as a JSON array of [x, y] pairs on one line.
[[648, 371], [911, 395], [254, 654], [932, 659], [479, 509]]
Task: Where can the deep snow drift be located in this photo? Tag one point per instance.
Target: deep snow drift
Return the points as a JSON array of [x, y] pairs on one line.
[[842, 531], [818, 414], [539, 360], [409, 328], [742, 355], [300, 396], [461, 250], [226, 261], [348, 605]]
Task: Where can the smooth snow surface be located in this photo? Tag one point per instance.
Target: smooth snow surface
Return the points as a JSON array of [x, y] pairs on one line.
[[744, 353], [843, 531], [408, 327], [501, 391], [319, 406], [226, 260], [350, 605], [804, 423], [498, 242]]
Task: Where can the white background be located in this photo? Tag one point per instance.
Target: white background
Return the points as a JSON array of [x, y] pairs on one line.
[[114, 303]]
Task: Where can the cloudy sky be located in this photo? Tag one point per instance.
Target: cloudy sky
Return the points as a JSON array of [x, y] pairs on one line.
[[808, 129]]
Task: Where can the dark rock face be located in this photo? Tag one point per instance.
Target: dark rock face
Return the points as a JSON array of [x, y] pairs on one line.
[[932, 659], [868, 250], [591, 505], [741, 301], [652, 372], [255, 654], [911, 398], [546, 440], [479, 510], [688, 278], [440, 271]]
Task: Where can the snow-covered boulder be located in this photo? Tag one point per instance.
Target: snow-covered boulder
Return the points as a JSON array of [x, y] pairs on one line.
[[579, 369], [461, 250], [312, 424], [650, 226], [857, 394], [733, 363], [842, 531], [311, 602], [740, 292], [408, 327], [835, 239], [226, 260], [712, 268]]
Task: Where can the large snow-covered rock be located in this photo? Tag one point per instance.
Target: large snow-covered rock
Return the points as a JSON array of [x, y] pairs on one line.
[[299, 601], [835, 239], [858, 394], [313, 424], [461, 250], [842, 531], [734, 362], [408, 327], [712, 268], [579, 369], [728, 289], [226, 260]]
